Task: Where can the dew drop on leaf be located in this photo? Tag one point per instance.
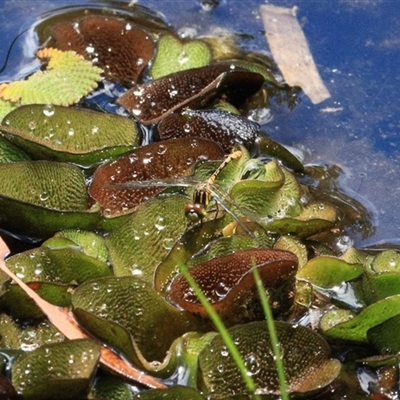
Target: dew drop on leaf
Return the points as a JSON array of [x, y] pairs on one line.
[[48, 110], [252, 364]]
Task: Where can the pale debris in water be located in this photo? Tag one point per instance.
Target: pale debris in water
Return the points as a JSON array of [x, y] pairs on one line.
[[289, 47]]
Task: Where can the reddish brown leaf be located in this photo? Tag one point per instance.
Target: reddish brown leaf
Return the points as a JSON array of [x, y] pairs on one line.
[[168, 159], [119, 48], [152, 101], [227, 281], [225, 128]]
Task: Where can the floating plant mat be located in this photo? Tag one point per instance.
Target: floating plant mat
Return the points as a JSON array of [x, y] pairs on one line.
[[112, 220]]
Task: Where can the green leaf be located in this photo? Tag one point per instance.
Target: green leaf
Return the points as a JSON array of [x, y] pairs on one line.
[[69, 134], [118, 310], [90, 243], [140, 244], [65, 266], [172, 393], [379, 286], [328, 272], [61, 371], [27, 338], [51, 185], [173, 56], [110, 387], [356, 328], [276, 196], [23, 308], [305, 360], [67, 78], [6, 107], [387, 261], [11, 153], [382, 337]]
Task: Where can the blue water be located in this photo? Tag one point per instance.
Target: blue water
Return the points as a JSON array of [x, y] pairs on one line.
[[356, 45]]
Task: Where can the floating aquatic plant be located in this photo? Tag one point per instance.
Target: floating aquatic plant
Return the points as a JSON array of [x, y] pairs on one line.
[[114, 233], [67, 78]]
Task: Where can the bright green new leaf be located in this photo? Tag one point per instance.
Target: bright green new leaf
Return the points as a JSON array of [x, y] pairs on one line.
[[173, 56], [67, 78], [356, 328], [328, 272]]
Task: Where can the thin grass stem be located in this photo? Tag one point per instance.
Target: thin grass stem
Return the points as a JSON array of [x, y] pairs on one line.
[[223, 331], [276, 349]]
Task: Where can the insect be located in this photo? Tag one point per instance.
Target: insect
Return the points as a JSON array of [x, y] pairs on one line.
[[203, 192]]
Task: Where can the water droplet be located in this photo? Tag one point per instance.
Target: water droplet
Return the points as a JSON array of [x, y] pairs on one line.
[[32, 125], [44, 196], [128, 26], [224, 352], [168, 243], [147, 160], [160, 225], [252, 364], [221, 368], [221, 290], [48, 110], [71, 132], [95, 129], [161, 149]]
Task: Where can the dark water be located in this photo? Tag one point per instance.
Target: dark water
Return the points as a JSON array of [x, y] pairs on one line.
[[356, 45]]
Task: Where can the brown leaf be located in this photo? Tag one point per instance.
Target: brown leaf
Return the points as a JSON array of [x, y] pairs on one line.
[[119, 48], [228, 283], [225, 128], [168, 159], [196, 87]]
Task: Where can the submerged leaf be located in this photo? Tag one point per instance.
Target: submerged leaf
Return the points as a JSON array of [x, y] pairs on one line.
[[67, 78], [121, 49], [305, 359]]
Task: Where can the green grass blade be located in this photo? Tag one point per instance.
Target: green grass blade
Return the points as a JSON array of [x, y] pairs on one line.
[[221, 328], [273, 335]]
